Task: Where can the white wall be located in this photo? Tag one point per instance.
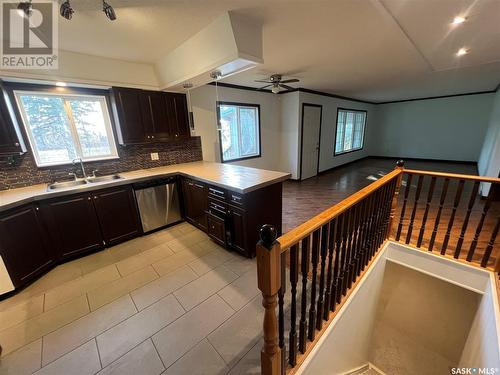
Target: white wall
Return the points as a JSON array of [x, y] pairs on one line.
[[447, 128], [327, 159], [290, 144], [203, 106], [489, 160]]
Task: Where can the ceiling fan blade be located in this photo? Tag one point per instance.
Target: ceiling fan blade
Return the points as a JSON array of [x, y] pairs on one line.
[[263, 87], [290, 80], [286, 87], [263, 81]]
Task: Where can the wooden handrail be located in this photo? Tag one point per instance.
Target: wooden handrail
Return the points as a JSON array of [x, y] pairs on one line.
[[458, 176], [295, 235]]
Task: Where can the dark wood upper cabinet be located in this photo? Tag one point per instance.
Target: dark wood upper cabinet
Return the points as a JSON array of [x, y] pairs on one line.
[[149, 116], [11, 141], [128, 107], [117, 213], [23, 244], [73, 225]]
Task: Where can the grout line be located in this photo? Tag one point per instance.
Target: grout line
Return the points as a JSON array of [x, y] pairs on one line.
[[41, 354], [220, 355], [43, 303], [136, 309], [157, 352], [98, 352]]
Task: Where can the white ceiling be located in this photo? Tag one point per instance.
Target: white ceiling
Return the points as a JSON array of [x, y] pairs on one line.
[[376, 50]]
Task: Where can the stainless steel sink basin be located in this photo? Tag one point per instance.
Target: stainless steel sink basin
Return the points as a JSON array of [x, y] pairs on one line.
[[65, 184], [80, 182], [113, 177]]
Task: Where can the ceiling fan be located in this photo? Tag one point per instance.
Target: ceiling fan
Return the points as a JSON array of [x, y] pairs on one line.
[[276, 83]]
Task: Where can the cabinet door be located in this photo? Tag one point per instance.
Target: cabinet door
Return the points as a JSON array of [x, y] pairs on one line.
[[117, 213], [216, 229], [238, 227], [73, 224], [195, 203], [23, 244], [181, 115], [157, 108], [9, 142], [132, 122]]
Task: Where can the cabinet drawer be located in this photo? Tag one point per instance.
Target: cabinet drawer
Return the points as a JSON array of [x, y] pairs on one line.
[[217, 229], [236, 199], [217, 193]]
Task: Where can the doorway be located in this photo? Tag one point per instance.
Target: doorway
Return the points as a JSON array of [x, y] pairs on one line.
[[310, 140]]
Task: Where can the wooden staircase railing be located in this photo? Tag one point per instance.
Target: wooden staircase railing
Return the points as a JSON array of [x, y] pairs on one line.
[[322, 259]]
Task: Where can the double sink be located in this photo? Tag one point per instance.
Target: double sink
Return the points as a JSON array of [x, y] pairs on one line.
[[82, 181]]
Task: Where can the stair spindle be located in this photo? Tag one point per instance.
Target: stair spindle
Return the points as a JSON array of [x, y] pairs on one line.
[[403, 206], [479, 227], [491, 243], [331, 246], [294, 277], [312, 308], [281, 312], [325, 232], [456, 202], [304, 267], [472, 200], [414, 210], [430, 194], [438, 215]]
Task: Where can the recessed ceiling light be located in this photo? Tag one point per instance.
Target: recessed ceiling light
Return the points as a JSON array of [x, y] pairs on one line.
[[459, 19], [462, 51], [61, 84]]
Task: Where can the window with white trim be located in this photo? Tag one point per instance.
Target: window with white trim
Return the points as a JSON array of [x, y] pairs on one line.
[[62, 128], [239, 132], [349, 135]]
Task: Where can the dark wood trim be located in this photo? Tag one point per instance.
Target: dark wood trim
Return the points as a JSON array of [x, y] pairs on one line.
[[217, 106], [335, 154], [302, 136], [321, 93], [240, 87], [11, 86], [309, 91], [439, 97]]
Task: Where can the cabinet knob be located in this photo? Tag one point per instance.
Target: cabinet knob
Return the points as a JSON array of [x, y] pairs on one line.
[[37, 208], [149, 137], [88, 198], [16, 144], [95, 196], [177, 135], [152, 136]]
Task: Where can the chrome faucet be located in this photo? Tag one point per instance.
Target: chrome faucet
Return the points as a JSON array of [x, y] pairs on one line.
[[79, 160]]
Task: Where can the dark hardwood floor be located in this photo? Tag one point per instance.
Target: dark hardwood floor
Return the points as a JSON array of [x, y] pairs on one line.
[[305, 199]]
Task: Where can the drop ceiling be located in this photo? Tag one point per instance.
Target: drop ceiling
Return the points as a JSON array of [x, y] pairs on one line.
[[367, 49]]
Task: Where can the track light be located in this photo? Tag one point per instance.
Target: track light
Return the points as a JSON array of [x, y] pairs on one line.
[[66, 11], [108, 10], [25, 8]]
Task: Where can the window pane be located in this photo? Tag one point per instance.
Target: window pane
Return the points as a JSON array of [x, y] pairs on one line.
[[340, 132], [48, 125], [229, 132], [350, 129], [249, 131], [239, 134], [91, 128]]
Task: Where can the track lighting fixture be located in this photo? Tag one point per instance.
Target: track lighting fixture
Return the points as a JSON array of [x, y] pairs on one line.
[[66, 11], [25, 8], [108, 10]]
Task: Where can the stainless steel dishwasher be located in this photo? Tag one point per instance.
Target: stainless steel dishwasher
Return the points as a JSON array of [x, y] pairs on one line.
[[158, 203]]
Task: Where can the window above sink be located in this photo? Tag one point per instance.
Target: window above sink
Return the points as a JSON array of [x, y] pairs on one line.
[[62, 127]]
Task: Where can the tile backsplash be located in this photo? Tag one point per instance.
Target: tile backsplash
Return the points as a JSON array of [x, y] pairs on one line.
[[22, 170]]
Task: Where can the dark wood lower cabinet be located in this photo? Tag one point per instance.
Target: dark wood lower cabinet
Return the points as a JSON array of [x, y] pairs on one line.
[[73, 225], [195, 203], [118, 215], [238, 230], [24, 245], [216, 229]]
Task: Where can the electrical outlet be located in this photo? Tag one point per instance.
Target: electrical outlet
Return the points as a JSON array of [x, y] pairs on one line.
[[154, 156]]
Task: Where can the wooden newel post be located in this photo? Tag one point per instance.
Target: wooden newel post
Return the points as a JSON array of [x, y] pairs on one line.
[[400, 166], [269, 280]]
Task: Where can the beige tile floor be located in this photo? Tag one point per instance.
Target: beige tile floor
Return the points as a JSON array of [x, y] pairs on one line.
[[172, 302]]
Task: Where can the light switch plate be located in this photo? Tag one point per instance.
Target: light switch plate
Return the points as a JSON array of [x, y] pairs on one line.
[[154, 156]]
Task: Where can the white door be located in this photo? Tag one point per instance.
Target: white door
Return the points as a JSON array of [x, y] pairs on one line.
[[311, 124]]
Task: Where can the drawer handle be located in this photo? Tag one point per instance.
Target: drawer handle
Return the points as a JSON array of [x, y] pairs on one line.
[[199, 186], [236, 198]]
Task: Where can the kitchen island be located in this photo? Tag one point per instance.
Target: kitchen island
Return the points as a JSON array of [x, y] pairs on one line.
[[40, 229]]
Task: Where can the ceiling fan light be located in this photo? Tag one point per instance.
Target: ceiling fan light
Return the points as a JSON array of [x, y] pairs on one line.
[[108, 11], [275, 89], [66, 11]]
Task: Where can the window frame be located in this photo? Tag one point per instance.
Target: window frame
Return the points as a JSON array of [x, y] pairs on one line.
[[335, 153], [17, 90], [259, 144]]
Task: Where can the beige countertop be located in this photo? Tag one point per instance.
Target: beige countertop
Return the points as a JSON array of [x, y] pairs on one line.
[[232, 177]]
